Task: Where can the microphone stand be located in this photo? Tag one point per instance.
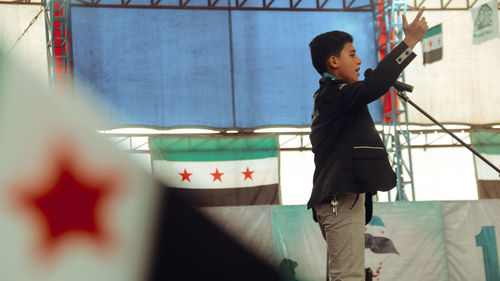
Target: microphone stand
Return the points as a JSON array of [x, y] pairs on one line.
[[403, 96]]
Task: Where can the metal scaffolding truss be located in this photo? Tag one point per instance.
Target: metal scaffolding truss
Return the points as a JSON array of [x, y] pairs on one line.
[[269, 5], [137, 145], [428, 137], [58, 42], [395, 134], [422, 138]]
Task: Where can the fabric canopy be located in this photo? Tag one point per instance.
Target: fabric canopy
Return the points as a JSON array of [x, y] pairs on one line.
[[172, 68], [208, 68]]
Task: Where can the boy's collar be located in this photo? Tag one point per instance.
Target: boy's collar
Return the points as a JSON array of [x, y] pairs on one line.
[[327, 74]]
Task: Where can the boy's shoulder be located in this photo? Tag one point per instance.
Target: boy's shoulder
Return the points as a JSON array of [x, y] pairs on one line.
[[331, 83], [331, 86]]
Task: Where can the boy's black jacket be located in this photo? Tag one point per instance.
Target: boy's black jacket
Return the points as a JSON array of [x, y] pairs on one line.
[[348, 152]]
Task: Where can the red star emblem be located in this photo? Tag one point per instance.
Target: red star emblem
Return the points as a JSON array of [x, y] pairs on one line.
[[70, 204], [185, 176], [248, 174], [430, 43], [217, 175]]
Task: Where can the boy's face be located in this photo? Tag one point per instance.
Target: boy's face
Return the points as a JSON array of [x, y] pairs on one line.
[[346, 66]]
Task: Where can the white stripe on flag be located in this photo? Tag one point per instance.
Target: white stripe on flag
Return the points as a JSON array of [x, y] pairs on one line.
[[432, 43], [376, 230], [265, 172], [484, 171]]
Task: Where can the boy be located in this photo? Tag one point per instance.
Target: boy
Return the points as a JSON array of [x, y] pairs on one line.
[[349, 155]]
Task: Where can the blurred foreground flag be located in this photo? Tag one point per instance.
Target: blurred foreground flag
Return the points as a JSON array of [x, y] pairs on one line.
[[485, 18], [219, 171], [72, 206], [488, 144], [432, 44]]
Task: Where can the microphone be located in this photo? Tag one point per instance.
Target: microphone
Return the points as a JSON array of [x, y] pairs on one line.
[[400, 86]]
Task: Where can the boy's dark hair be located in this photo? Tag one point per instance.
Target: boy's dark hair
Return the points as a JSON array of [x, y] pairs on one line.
[[326, 45]]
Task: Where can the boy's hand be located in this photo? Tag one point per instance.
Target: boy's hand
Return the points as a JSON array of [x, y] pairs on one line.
[[415, 31]]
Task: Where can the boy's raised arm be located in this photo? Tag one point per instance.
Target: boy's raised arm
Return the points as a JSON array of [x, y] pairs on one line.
[[415, 31]]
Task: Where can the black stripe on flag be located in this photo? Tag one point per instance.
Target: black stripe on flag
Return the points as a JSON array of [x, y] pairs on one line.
[[206, 197], [488, 189], [433, 55], [379, 245]]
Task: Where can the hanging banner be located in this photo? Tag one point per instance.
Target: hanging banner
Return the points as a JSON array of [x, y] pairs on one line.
[[485, 18]]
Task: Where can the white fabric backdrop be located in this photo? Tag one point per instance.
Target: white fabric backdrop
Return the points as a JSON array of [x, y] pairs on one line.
[[463, 86]]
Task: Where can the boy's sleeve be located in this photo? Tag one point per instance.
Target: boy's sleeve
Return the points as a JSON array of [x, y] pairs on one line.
[[379, 81]]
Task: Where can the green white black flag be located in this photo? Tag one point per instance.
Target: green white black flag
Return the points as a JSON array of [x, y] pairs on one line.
[[432, 44], [485, 18], [488, 144], [219, 171]]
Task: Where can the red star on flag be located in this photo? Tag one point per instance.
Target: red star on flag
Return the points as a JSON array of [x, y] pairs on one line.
[[217, 175], [69, 205], [185, 176], [248, 174]]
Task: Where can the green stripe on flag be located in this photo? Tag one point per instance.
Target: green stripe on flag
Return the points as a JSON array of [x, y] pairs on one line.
[[376, 220], [212, 148], [433, 31], [486, 141], [2, 60], [2, 55]]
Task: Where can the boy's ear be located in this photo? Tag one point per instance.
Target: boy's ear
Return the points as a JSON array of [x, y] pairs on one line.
[[332, 62]]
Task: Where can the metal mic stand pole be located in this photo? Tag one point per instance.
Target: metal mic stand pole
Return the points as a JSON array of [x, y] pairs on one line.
[[403, 96]]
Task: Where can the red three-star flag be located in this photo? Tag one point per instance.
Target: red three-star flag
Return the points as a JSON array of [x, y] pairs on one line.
[[230, 170]]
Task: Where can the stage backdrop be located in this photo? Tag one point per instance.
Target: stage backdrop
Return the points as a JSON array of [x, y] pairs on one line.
[[212, 68], [432, 241]]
